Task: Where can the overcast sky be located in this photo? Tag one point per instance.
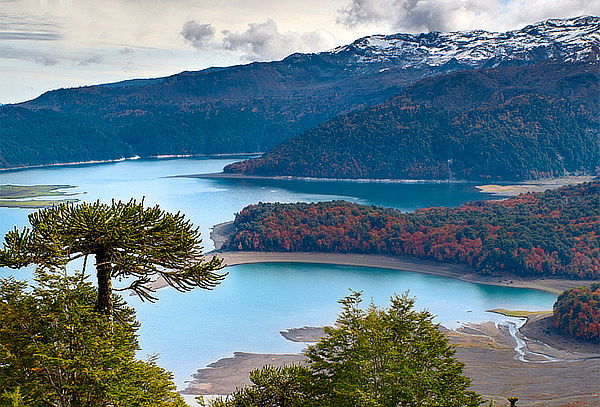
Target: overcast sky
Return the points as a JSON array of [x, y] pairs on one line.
[[47, 44]]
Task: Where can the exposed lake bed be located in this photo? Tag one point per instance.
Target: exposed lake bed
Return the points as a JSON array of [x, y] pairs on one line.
[[487, 349]]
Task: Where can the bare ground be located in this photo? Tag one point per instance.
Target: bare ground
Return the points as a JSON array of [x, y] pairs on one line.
[[464, 273], [226, 375], [533, 186], [488, 352], [539, 328]]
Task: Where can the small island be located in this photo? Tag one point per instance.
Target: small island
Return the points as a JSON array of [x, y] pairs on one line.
[[24, 196]]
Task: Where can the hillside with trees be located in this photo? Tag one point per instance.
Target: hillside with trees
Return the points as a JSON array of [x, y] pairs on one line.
[[554, 233], [502, 123], [254, 107], [577, 312]]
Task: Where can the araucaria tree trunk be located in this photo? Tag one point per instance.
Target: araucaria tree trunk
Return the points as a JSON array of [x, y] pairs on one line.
[[103, 272]]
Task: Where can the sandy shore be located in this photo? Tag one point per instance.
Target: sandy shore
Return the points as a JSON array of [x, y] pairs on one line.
[[464, 273], [533, 186], [405, 263], [488, 351], [228, 374]]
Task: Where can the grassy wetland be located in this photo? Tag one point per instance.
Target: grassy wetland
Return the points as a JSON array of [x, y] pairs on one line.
[[26, 196]]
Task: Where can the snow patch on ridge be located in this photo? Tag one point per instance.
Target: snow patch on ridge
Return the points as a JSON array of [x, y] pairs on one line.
[[571, 39]]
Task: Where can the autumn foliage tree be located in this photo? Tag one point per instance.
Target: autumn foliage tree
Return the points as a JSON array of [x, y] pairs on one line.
[[554, 233], [577, 312]]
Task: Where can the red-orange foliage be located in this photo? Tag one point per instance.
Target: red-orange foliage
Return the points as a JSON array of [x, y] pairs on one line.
[[577, 312], [552, 233]]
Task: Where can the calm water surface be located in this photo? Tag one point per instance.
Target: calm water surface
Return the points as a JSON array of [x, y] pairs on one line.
[[247, 311]]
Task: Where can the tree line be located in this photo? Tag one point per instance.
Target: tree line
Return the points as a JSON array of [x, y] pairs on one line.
[[500, 123], [554, 233]]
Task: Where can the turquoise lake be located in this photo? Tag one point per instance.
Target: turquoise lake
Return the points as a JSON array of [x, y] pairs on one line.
[[247, 311]]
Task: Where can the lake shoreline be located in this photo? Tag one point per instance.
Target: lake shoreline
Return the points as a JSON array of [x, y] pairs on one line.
[[405, 263], [541, 185], [539, 328], [487, 349], [504, 189], [135, 157], [222, 231], [227, 175]]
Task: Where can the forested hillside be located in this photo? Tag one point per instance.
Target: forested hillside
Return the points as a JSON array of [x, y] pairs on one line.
[[501, 123], [253, 107], [554, 233]]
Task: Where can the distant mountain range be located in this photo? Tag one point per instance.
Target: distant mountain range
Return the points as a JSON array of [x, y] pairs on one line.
[[254, 107]]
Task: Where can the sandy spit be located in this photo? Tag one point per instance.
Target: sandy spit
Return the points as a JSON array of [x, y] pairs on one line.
[[533, 186]]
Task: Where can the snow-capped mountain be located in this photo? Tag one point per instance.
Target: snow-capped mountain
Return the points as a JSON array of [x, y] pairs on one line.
[[255, 106], [569, 40]]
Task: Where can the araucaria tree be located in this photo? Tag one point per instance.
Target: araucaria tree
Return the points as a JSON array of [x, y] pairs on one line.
[[128, 240]]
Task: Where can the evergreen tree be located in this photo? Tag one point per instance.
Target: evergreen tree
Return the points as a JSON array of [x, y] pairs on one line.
[[388, 358], [56, 350], [128, 240], [288, 386], [395, 357]]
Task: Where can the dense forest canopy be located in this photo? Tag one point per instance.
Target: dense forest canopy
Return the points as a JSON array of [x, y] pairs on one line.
[[57, 350], [554, 233], [577, 312], [501, 123]]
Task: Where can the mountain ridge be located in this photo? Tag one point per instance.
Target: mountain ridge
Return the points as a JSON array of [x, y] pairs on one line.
[[506, 123], [236, 109]]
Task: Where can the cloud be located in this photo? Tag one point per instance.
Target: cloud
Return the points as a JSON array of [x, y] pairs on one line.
[[199, 35], [364, 12], [7, 35], [260, 42], [449, 15], [92, 59], [263, 41], [46, 60], [21, 54], [19, 26]]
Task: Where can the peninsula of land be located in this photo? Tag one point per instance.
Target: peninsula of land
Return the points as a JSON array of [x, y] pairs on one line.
[[27, 196], [221, 232]]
